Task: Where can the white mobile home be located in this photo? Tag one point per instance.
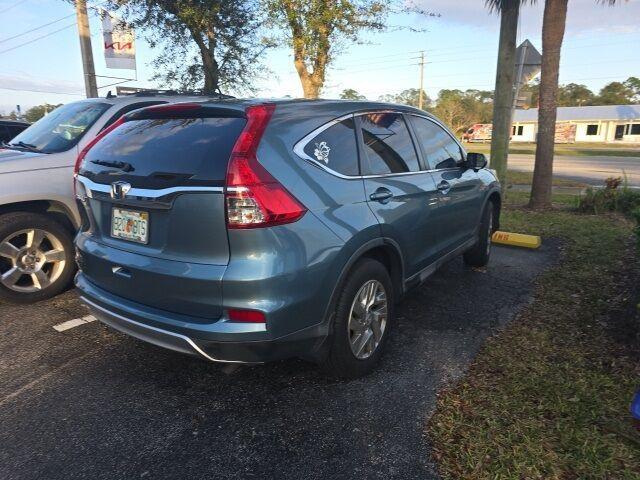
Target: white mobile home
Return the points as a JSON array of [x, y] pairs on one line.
[[607, 123]]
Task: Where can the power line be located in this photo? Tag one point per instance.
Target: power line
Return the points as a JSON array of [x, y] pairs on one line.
[[12, 6], [38, 38], [366, 70], [363, 64], [46, 24], [36, 28], [364, 60], [438, 52], [491, 84], [41, 91], [471, 59]]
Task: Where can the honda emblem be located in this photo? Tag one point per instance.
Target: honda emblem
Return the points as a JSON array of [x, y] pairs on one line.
[[119, 190]]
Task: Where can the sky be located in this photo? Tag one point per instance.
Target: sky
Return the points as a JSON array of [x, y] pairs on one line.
[[460, 47]]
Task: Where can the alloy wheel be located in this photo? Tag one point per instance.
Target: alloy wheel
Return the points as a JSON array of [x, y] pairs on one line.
[[367, 319], [31, 260]]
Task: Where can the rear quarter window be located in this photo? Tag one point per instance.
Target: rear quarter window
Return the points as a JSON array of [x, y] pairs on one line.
[[335, 148], [161, 153]]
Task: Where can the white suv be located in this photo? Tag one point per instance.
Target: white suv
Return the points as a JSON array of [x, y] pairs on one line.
[[38, 214]]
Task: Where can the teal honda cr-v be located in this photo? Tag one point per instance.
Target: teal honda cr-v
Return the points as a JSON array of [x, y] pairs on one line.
[[245, 231]]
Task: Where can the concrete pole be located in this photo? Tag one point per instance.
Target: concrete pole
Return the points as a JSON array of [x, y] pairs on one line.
[[90, 85]]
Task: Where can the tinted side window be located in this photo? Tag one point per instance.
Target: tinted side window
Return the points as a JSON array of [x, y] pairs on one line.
[[14, 131], [336, 148], [439, 149], [387, 145], [61, 129], [5, 135]]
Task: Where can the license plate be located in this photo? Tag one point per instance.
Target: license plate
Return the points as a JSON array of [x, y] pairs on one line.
[[130, 225]]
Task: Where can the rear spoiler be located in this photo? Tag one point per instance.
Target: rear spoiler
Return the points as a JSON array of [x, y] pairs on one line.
[[185, 110]]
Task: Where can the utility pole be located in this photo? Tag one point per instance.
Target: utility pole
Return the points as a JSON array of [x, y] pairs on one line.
[[420, 94], [90, 85]]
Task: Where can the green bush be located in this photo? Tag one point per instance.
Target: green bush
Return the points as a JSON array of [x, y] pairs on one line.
[[614, 197]]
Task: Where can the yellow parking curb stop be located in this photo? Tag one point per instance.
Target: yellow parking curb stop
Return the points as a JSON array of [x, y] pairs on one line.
[[516, 239]]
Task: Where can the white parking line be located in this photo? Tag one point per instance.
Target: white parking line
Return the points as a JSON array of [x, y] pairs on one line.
[[61, 327]]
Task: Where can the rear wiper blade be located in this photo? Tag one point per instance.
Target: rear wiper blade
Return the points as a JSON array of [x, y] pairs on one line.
[[26, 146], [125, 167]]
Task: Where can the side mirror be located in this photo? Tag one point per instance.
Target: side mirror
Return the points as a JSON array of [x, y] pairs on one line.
[[476, 161]]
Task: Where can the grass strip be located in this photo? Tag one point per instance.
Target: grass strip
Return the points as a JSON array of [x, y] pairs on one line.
[[617, 150], [515, 177], [548, 396]]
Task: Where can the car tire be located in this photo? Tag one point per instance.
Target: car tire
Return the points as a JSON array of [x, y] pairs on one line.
[[478, 256], [30, 275], [364, 310]]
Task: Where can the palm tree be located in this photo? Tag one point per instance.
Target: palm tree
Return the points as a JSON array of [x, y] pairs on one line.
[[553, 26], [505, 77]]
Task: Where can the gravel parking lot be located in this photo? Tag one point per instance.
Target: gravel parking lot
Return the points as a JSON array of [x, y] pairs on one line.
[[88, 402]]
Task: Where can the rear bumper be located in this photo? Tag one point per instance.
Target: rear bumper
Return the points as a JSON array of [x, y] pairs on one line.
[[220, 341]]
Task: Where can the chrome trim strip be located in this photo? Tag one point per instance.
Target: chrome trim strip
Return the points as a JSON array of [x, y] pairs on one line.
[[191, 343], [92, 186], [298, 148]]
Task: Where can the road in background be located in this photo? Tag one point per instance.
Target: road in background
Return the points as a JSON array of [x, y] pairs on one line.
[[590, 169], [89, 402]]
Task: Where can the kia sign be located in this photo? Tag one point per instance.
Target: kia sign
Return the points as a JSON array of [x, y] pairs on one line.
[[119, 43]]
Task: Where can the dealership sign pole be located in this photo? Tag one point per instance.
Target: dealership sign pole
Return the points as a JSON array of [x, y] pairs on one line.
[[90, 84]]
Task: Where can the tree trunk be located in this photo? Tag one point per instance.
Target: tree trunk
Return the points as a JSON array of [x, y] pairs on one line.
[[311, 84], [503, 96], [211, 74], [209, 64], [553, 24], [310, 88], [311, 77]]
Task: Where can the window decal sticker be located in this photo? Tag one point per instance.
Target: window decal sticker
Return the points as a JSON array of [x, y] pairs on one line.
[[321, 152]]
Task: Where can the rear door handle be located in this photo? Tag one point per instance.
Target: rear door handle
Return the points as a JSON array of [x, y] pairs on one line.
[[444, 186], [382, 195]]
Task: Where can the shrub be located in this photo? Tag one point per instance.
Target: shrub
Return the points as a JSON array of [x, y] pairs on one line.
[[612, 198]]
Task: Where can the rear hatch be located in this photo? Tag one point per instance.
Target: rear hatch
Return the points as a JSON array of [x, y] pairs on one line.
[[155, 228]]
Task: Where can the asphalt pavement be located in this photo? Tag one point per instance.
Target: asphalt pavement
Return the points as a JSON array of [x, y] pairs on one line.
[[88, 402], [590, 169]]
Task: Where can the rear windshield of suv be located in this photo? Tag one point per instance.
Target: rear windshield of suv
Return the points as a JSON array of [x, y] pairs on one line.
[[165, 152]]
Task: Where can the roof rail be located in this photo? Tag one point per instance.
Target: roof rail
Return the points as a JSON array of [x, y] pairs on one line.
[[144, 92]]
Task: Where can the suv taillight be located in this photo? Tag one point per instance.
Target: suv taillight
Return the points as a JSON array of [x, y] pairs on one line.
[[253, 197]]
